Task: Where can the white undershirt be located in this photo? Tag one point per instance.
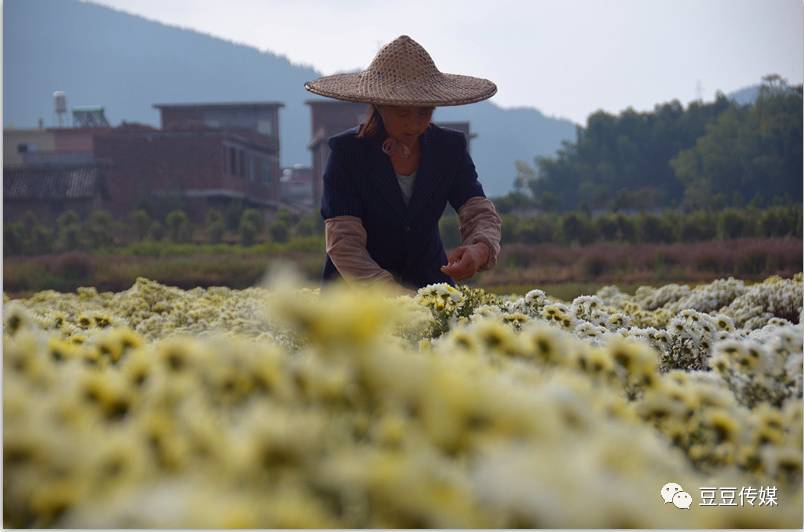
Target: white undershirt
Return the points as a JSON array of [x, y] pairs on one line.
[[406, 185]]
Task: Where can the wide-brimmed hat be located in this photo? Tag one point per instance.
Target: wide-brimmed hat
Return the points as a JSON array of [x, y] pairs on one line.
[[403, 73]]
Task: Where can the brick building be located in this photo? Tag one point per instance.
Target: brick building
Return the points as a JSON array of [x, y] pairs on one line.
[[329, 117], [23, 147], [204, 154], [255, 122], [203, 167], [47, 191], [17, 143], [49, 171]]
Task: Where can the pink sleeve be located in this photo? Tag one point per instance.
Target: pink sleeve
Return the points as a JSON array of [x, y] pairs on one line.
[[346, 245], [480, 223]]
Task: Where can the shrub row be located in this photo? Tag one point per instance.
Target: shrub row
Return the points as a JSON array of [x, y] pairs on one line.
[[666, 227]]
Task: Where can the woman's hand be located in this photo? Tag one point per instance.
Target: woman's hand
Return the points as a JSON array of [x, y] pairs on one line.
[[465, 261]]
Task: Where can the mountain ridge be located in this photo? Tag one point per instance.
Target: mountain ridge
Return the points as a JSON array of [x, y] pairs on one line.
[[77, 47]]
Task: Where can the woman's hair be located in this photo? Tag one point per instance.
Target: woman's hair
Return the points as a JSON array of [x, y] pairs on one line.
[[372, 127]]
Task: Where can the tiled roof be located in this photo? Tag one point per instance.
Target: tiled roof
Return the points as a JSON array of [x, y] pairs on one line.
[[51, 183]]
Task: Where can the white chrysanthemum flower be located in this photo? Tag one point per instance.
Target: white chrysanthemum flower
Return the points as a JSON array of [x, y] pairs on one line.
[[338, 398]]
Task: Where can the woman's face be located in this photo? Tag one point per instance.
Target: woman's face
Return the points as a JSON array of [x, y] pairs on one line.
[[405, 122]]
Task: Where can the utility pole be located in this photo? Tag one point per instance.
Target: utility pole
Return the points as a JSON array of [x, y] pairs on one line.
[[699, 90]]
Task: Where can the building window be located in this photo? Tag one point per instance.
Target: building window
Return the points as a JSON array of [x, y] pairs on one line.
[[241, 163], [265, 171]]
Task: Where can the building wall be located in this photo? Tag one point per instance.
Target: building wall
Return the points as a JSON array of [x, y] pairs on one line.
[[76, 139], [260, 119], [257, 123], [237, 159], [162, 163], [34, 139]]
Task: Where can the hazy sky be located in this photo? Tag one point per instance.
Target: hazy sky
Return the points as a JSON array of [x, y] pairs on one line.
[[567, 58]]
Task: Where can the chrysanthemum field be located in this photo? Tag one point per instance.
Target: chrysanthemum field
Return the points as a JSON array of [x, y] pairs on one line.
[[282, 407]]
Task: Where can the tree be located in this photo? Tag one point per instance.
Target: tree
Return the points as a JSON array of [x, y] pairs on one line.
[[156, 231], [731, 224], [100, 229], [538, 229], [698, 226], [141, 223], [31, 236], [256, 218], [279, 231], [307, 226], [607, 227], [69, 231], [42, 239], [617, 154], [524, 176], [69, 217], [213, 216], [251, 225], [510, 229], [178, 226], [13, 238], [654, 229], [512, 201], [248, 233], [773, 222], [215, 225], [627, 228], [749, 152], [288, 217], [577, 228], [548, 201]]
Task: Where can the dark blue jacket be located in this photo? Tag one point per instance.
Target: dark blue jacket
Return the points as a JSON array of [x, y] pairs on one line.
[[359, 180]]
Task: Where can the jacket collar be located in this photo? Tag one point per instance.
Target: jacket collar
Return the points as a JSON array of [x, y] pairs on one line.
[[384, 178]]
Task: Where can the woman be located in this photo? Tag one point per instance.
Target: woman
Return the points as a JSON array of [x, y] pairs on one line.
[[387, 181]]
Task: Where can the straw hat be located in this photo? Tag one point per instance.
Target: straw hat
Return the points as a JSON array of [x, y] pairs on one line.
[[403, 73]]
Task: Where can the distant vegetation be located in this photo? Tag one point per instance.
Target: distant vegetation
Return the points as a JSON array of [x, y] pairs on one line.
[[579, 227], [245, 227], [100, 231], [234, 248], [708, 156]]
